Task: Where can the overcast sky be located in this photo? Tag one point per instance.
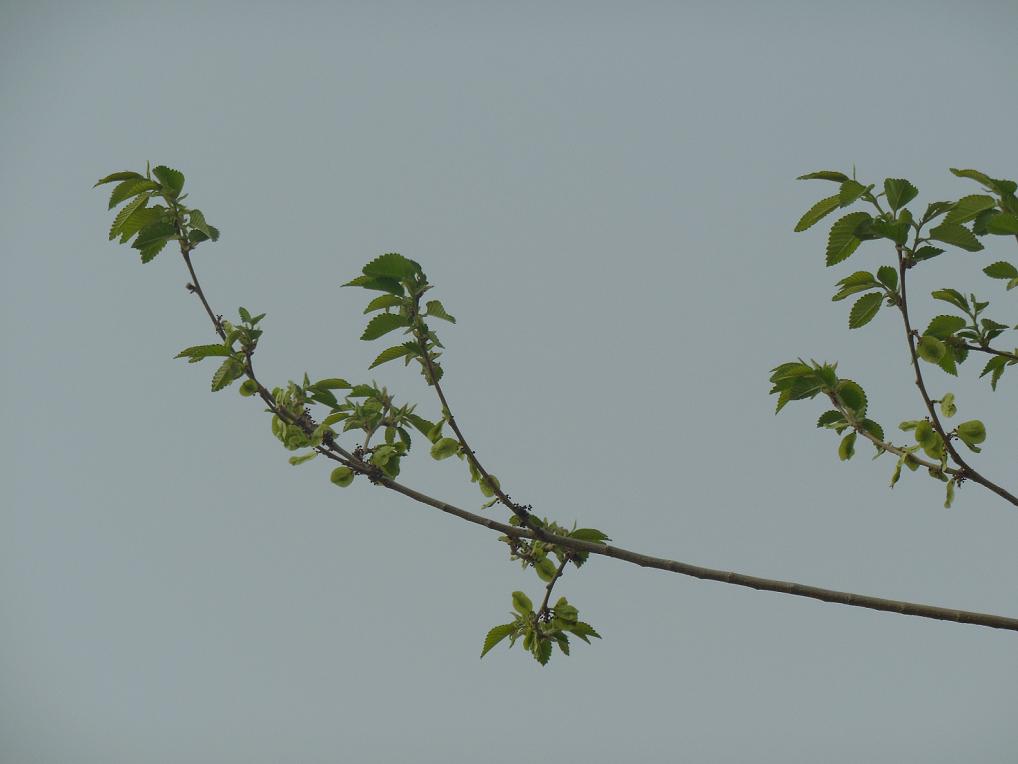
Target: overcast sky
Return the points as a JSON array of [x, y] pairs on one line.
[[604, 196]]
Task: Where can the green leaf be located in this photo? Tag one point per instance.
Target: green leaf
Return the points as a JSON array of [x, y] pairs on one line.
[[974, 175], [225, 374], [124, 175], [972, 433], [944, 326], [852, 396], [831, 418], [496, 635], [444, 448], [542, 651], [390, 354], [1001, 270], [172, 180], [391, 266], [952, 296], [153, 249], [295, 460], [342, 476], [436, 310], [948, 363], [947, 405], [129, 209], [850, 191], [196, 353], [154, 233], [936, 209], [995, 367], [140, 218], [383, 324], [589, 534], [930, 349], [846, 449], [129, 188], [968, 208], [864, 310], [1002, 224], [926, 253], [837, 177], [958, 235], [583, 631], [522, 603], [899, 192], [860, 281], [842, 240], [378, 284], [384, 301], [197, 221], [888, 276], [332, 383], [818, 212]]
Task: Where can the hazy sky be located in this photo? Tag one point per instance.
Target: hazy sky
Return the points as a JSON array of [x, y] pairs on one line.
[[605, 197]]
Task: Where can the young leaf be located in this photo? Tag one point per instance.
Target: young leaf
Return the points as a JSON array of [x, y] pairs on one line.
[[968, 208], [391, 266], [949, 498], [846, 449], [852, 396], [140, 218], [196, 353], [545, 569], [995, 367], [383, 324], [197, 221], [860, 281], [842, 240], [488, 486], [384, 301], [589, 534], [888, 276], [435, 309], [952, 296], [1001, 270], [126, 211], [295, 460], [390, 354], [944, 326], [496, 635], [379, 284], [542, 651], [1002, 224], [129, 188], [818, 212], [172, 180], [850, 191], [125, 175], [248, 388], [149, 252], [926, 253], [153, 234], [837, 177], [342, 476], [899, 192], [522, 603], [864, 310], [958, 235], [225, 374], [332, 383]]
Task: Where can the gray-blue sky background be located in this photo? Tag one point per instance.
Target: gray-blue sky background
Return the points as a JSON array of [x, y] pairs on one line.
[[605, 197]]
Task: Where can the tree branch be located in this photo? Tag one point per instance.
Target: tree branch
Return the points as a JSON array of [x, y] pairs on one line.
[[968, 472], [336, 453]]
